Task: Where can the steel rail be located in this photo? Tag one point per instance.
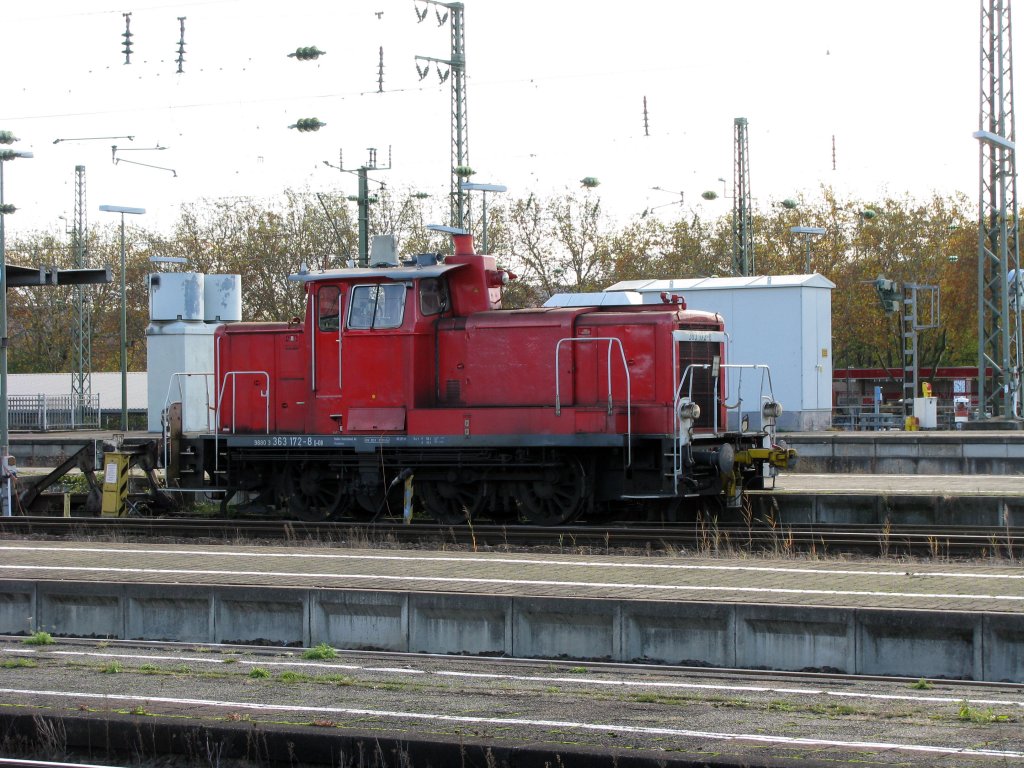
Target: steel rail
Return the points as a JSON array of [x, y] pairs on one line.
[[703, 537]]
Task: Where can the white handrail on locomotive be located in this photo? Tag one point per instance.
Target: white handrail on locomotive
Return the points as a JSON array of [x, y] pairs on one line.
[[629, 393], [766, 372], [234, 400], [682, 435], [166, 437]]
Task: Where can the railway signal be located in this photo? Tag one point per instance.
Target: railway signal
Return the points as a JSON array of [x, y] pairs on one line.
[[889, 294]]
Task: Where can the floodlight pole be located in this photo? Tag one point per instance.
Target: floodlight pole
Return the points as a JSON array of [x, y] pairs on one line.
[[124, 312], [469, 186], [808, 233]]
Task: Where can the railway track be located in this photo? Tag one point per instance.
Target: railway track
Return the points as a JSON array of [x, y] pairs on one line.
[[846, 712], [703, 538]]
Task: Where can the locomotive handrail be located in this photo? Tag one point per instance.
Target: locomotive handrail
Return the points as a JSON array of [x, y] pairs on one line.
[[208, 375], [766, 371], [677, 402], [629, 394], [234, 402]]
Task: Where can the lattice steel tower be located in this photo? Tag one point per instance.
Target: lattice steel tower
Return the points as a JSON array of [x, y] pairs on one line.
[[81, 344], [999, 325], [460, 132], [742, 227]]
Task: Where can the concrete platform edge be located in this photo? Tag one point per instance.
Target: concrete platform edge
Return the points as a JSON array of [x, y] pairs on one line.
[[934, 644]]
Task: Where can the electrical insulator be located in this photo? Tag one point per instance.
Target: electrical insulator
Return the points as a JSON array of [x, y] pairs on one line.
[[181, 45], [127, 35], [6, 137], [308, 124], [7, 208], [307, 53]]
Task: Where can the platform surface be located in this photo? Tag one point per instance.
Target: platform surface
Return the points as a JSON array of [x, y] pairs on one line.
[[907, 485], [942, 586]]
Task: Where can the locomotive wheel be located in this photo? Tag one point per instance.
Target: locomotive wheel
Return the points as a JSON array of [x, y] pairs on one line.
[[452, 502], [313, 493], [556, 496]]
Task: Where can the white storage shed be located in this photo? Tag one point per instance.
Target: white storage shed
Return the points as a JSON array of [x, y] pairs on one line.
[[784, 321]]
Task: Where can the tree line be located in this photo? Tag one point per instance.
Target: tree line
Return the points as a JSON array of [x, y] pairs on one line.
[[562, 243]]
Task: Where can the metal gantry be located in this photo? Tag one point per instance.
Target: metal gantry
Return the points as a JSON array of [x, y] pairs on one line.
[[999, 326], [742, 226], [921, 311], [460, 134], [81, 333]]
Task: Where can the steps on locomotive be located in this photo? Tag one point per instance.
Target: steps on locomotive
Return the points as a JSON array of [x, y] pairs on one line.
[[190, 460]]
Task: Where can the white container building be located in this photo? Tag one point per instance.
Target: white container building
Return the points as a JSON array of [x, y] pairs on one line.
[[783, 321]]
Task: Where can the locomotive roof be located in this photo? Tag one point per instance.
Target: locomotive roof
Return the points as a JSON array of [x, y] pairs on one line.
[[390, 273]]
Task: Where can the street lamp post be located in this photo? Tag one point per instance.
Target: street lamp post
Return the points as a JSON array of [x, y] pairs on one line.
[[5, 453], [808, 233], [471, 186], [124, 312]]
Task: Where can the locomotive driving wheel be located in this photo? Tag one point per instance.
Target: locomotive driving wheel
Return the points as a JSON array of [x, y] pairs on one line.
[[313, 493], [452, 501], [556, 495]]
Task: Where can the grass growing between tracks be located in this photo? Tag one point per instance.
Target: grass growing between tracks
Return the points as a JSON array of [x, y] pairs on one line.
[[18, 664], [39, 638], [981, 715], [320, 652]]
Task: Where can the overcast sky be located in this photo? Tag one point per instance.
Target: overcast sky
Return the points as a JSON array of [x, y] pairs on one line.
[[555, 93]]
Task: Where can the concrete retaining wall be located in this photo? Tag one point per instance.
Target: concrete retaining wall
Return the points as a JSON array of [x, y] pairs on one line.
[[855, 640], [908, 453], [877, 509]]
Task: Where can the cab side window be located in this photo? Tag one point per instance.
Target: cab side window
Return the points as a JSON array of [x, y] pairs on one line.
[[328, 312], [377, 306], [433, 296]]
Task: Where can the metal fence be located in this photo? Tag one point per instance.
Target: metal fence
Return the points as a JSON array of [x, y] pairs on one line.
[[43, 413], [886, 417]]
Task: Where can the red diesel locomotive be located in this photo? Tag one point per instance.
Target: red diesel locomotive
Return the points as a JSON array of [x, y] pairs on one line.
[[413, 372]]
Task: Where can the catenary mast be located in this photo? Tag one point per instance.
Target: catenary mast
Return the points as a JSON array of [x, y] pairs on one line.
[[742, 224], [81, 379], [999, 286]]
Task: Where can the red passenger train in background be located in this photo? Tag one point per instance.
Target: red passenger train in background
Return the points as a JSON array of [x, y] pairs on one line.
[[413, 372]]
